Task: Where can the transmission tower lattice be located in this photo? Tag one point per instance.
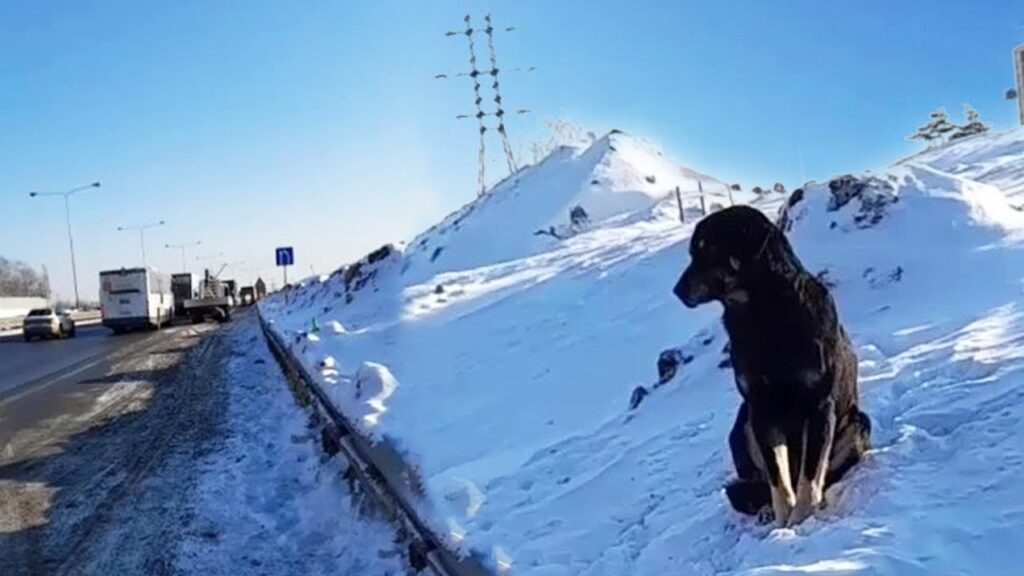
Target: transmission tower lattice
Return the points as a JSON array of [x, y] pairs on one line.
[[474, 74]]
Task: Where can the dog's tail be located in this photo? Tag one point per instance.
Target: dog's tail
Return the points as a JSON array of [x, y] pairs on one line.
[[748, 496]]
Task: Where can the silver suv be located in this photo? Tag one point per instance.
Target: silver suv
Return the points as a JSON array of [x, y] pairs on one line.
[[48, 323]]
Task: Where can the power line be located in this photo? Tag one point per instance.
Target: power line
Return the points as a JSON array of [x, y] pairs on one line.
[[499, 111], [474, 73]]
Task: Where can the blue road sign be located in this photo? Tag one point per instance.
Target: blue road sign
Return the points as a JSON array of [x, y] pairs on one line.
[[285, 256]]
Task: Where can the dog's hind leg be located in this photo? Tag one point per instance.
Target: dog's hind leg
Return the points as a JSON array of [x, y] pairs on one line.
[[746, 458], [820, 432], [748, 492], [852, 440]]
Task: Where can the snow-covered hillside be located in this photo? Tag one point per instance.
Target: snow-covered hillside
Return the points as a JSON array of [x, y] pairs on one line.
[[618, 175], [996, 159], [503, 366]]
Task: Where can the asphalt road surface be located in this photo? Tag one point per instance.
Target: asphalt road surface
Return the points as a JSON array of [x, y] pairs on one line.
[[26, 362]]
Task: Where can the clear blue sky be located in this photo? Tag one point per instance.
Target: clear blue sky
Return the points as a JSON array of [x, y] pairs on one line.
[[319, 124]]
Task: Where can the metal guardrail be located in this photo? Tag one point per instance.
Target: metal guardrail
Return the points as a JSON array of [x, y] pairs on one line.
[[380, 470]]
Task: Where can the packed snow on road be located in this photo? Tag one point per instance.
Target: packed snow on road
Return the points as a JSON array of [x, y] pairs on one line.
[[499, 349]]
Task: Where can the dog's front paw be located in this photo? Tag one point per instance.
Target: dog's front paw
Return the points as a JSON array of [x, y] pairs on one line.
[[808, 499], [782, 506], [802, 510]]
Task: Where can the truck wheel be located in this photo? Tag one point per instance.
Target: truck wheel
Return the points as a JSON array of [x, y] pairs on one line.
[[197, 319], [28, 338], [72, 333]]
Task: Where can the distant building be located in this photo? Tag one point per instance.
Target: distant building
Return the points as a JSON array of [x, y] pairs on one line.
[[261, 289]]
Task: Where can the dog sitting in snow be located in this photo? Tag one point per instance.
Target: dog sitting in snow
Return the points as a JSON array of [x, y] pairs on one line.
[[799, 428]]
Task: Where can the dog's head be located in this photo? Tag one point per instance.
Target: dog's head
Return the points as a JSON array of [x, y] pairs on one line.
[[726, 248]]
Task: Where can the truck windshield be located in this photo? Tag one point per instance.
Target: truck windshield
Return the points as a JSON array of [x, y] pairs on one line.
[[40, 312]]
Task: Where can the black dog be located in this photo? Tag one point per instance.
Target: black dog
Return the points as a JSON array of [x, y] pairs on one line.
[[799, 428]]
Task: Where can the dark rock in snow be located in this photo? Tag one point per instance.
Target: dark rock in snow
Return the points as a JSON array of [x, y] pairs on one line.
[[638, 395], [578, 217], [669, 362], [379, 254], [873, 193]]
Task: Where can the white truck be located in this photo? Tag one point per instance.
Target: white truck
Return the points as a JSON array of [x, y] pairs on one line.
[[215, 300], [133, 298]]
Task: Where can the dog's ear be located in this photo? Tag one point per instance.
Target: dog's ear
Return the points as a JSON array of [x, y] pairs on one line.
[[756, 234], [734, 263]]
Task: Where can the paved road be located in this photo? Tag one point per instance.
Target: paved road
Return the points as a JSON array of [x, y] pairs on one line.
[[27, 362]]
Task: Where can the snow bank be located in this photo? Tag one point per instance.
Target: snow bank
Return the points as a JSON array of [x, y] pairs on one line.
[[517, 356], [996, 159]]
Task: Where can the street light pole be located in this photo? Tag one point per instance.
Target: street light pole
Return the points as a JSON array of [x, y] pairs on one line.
[[233, 264], [182, 247], [208, 257], [142, 235], [71, 240]]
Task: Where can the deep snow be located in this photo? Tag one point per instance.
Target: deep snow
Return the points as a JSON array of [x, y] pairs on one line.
[[503, 361]]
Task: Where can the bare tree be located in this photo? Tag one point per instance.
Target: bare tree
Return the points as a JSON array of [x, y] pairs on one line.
[[561, 132], [19, 280]]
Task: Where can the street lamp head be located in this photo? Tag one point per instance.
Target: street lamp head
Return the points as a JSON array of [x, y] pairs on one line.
[[160, 223], [33, 194], [95, 184], [120, 228]]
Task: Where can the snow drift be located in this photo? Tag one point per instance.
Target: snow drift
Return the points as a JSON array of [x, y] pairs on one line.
[[996, 159], [516, 355]]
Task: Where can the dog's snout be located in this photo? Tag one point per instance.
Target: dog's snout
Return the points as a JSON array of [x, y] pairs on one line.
[[689, 292]]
